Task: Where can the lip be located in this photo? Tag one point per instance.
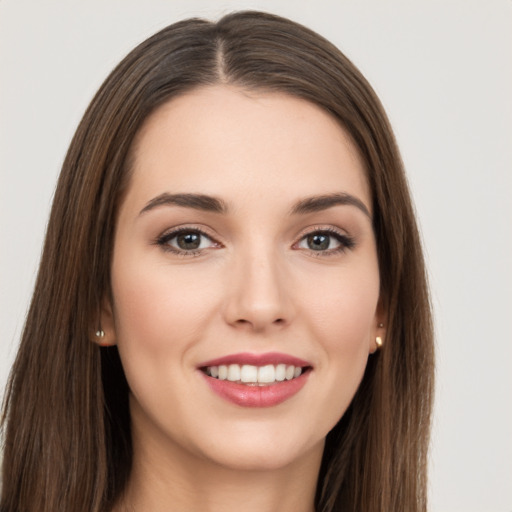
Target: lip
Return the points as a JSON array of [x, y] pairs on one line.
[[256, 396], [256, 359], [252, 395]]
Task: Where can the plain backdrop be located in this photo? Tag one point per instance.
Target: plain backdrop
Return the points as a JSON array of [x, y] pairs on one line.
[[443, 70]]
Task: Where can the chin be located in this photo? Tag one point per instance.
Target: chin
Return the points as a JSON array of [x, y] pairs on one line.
[[262, 459], [262, 449]]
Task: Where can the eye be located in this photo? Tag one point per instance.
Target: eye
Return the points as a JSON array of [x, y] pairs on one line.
[[326, 241], [186, 241]]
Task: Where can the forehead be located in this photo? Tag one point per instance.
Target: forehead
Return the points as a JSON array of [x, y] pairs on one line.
[[222, 140]]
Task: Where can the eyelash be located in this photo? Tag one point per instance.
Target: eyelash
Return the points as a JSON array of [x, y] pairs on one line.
[[346, 242], [163, 241]]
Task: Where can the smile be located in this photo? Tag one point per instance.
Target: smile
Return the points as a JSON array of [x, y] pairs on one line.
[[254, 375], [256, 380]]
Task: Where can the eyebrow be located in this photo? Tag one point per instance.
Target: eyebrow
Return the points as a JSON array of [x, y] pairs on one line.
[[195, 201], [323, 202], [213, 204]]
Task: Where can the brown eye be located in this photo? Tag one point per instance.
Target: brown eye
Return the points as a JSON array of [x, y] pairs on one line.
[[318, 241], [325, 242], [321, 241], [188, 241]]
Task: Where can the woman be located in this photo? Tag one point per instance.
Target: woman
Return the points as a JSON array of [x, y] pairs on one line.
[[231, 308]]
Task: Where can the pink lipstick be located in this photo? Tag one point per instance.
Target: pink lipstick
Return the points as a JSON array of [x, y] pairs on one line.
[[256, 380]]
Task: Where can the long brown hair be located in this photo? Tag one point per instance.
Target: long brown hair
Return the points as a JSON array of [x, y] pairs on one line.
[[66, 420]]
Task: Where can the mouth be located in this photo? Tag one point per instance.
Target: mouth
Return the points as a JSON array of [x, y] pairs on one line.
[[256, 380], [252, 375]]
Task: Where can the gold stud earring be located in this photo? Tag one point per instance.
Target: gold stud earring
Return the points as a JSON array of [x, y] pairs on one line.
[[378, 341]]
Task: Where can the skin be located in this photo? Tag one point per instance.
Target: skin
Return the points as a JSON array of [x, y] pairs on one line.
[[255, 285]]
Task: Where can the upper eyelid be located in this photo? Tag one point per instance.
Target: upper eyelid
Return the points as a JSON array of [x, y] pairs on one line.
[[207, 232], [171, 233], [322, 229], [328, 231], [186, 227], [163, 241], [214, 237], [335, 231]]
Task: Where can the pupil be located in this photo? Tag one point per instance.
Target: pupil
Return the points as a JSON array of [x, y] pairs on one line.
[[189, 241], [318, 242]]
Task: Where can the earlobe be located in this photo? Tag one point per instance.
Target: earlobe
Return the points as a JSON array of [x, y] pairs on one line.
[[379, 337], [104, 333], [378, 341]]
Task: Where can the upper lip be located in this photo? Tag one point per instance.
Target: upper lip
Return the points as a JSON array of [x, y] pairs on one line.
[[256, 359]]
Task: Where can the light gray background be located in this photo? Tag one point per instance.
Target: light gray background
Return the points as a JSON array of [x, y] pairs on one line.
[[443, 70]]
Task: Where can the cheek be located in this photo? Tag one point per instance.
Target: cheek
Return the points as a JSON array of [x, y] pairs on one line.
[[342, 319], [157, 310], [343, 308], [160, 314]]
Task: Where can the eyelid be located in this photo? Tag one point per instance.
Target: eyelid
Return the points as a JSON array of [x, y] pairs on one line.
[[163, 239], [346, 241]]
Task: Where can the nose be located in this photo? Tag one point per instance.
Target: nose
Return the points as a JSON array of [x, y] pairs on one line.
[[259, 296]]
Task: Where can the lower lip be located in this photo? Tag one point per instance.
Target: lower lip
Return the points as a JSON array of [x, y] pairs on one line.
[[256, 396]]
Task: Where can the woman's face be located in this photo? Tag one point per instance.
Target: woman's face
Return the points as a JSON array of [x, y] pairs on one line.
[[244, 251]]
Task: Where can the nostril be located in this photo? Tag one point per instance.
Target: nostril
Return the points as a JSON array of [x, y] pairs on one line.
[[243, 321]]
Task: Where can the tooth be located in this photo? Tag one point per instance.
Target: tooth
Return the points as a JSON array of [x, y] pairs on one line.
[[223, 372], [249, 373], [234, 372], [266, 374], [280, 372], [253, 374]]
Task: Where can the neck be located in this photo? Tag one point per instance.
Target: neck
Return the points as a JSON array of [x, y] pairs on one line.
[[173, 479]]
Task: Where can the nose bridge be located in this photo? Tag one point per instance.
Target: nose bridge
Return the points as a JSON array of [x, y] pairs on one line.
[[258, 290]]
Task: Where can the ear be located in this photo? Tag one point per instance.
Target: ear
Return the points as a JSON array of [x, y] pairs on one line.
[[378, 338], [103, 332]]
